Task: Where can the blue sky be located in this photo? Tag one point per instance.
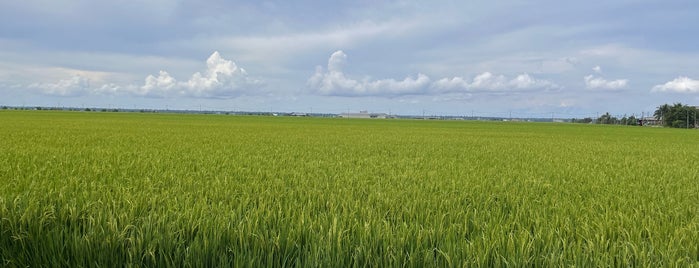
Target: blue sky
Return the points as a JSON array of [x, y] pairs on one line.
[[528, 58]]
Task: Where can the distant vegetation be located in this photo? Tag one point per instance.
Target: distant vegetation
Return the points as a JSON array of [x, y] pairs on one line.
[[677, 115], [608, 119], [171, 190]]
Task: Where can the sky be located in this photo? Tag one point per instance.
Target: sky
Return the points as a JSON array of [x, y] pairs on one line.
[[528, 58]]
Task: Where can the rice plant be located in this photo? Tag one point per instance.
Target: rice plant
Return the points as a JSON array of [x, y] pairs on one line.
[[153, 190]]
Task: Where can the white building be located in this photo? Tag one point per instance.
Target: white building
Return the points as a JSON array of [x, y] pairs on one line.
[[364, 114]]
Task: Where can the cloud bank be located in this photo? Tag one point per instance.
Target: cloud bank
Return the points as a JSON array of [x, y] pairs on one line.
[[680, 84], [333, 81], [74, 86], [221, 79], [490, 82]]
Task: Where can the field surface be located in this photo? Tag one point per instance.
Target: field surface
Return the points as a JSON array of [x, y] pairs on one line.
[[154, 190]]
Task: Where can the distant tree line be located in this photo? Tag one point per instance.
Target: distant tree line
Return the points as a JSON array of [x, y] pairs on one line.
[[611, 120], [677, 115], [608, 119]]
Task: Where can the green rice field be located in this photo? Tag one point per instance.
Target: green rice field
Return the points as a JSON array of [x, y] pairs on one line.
[[89, 189]]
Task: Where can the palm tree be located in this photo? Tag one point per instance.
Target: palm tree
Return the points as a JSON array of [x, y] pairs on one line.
[[663, 112]]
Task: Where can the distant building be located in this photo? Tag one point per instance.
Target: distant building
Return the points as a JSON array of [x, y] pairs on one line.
[[651, 121], [364, 114]]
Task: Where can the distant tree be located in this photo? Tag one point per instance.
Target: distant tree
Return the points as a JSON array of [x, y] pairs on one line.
[[662, 111], [606, 119], [678, 115], [630, 121], [4, 107]]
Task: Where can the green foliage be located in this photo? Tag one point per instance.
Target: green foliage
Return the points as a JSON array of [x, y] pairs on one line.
[[163, 190], [629, 121], [607, 119], [677, 115]]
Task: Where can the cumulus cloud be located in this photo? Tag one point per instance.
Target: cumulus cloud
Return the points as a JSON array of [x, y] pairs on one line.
[[332, 81], [490, 82], [74, 86], [158, 85], [680, 84], [112, 89], [594, 82], [221, 79]]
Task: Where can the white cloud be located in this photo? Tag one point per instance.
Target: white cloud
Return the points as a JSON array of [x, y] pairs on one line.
[[161, 84], [337, 61], [334, 82], [490, 82], [681, 84], [453, 84], [112, 89], [593, 82], [222, 79], [74, 86], [525, 81], [597, 69]]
